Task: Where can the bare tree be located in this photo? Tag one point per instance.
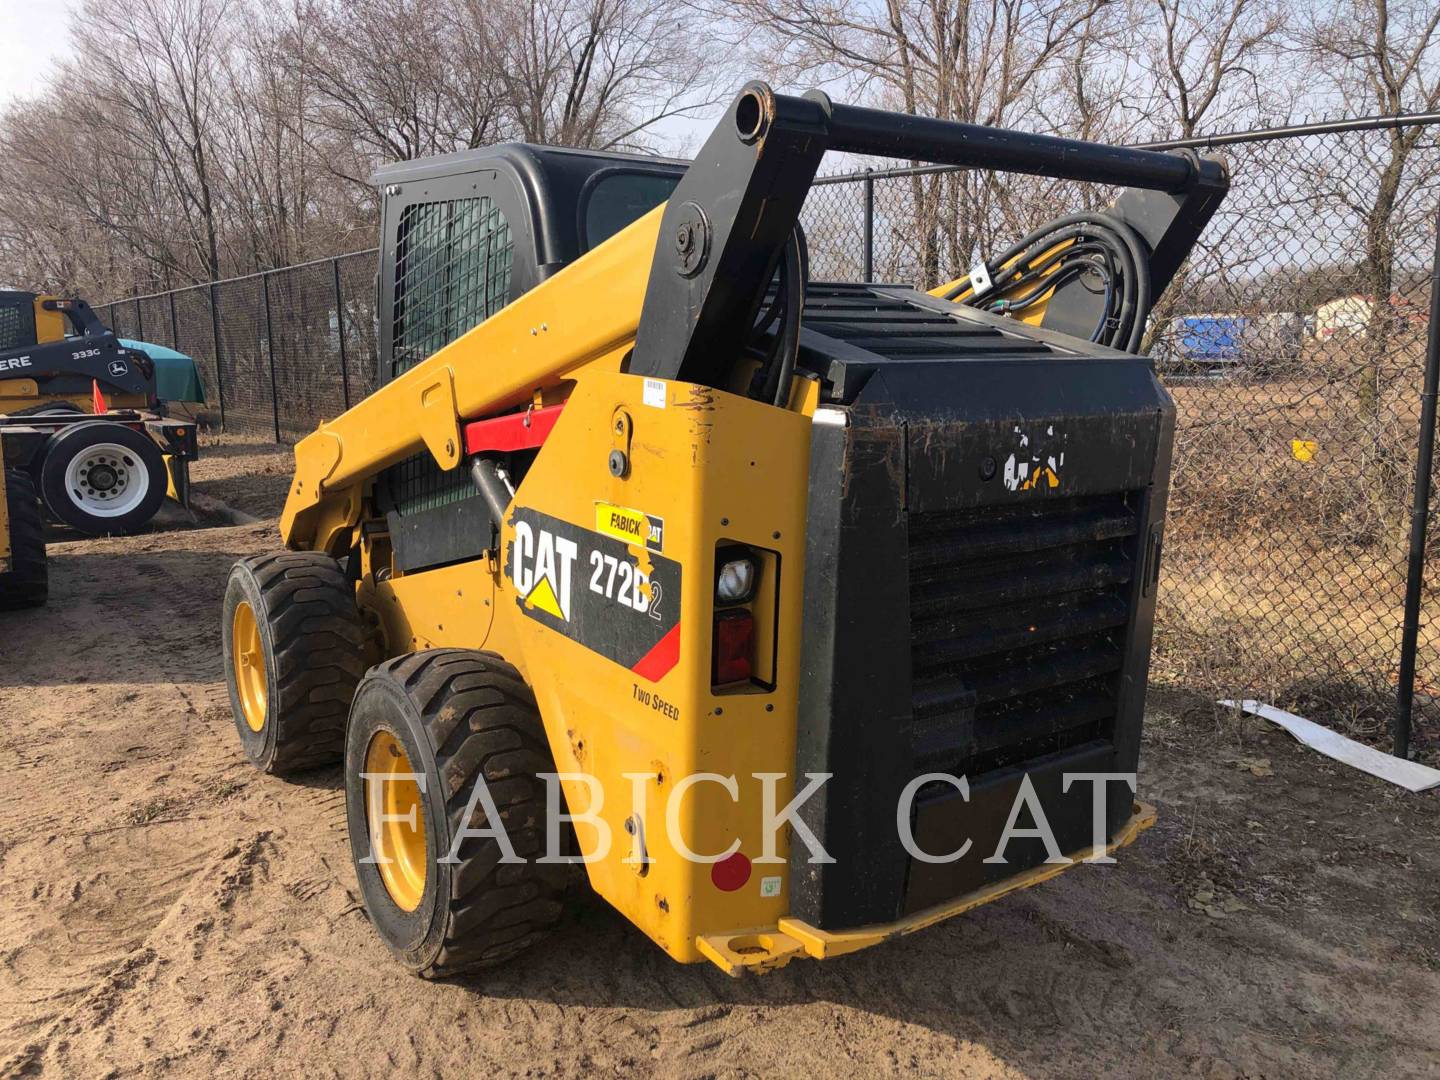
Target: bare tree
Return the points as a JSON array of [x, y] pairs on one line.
[[90, 206], [1200, 58], [981, 62], [596, 73], [204, 137], [156, 64], [271, 165], [1379, 56], [396, 79], [198, 138]]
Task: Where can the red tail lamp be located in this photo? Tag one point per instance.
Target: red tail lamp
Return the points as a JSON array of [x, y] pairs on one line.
[[734, 648]]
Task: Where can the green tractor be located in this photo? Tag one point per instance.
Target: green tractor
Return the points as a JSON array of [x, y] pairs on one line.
[[79, 415]]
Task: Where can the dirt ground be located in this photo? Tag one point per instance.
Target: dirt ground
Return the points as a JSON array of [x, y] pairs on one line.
[[251, 476], [166, 910]]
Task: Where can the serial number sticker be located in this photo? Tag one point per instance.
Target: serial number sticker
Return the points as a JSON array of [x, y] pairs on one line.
[[632, 526], [654, 393]]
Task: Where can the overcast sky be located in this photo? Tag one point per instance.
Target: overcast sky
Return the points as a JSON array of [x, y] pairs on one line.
[[32, 36]]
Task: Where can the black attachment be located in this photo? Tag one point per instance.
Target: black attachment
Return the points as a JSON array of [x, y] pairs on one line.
[[1093, 252], [984, 516], [176, 437], [750, 179], [724, 227], [1101, 286], [772, 378], [877, 133]]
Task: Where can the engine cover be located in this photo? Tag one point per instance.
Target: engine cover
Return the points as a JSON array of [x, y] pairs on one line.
[[984, 524]]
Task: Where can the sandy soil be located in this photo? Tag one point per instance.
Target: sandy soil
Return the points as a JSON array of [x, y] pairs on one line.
[[165, 910], [248, 475]]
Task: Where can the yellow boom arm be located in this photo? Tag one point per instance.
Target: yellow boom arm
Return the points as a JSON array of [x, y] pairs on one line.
[[587, 313]]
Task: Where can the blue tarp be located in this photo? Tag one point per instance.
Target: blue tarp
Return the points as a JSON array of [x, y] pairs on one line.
[[1210, 337]]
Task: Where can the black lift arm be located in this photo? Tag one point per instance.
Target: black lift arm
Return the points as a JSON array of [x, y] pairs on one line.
[[728, 220]]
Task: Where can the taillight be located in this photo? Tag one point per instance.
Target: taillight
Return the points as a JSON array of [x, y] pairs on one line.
[[734, 649]]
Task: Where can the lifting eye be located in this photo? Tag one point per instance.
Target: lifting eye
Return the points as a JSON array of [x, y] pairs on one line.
[[749, 116]]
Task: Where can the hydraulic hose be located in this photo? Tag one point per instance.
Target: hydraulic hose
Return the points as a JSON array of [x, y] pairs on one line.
[[777, 369], [1087, 241]]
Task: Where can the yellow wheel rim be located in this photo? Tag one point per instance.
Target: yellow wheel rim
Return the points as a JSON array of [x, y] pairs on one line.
[[396, 820], [249, 660]]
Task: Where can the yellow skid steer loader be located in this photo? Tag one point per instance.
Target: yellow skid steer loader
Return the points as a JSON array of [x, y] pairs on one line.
[[803, 614]]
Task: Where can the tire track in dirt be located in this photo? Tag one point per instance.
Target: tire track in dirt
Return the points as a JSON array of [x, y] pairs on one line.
[[179, 936], [98, 836]]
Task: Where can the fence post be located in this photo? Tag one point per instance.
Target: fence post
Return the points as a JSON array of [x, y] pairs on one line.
[[270, 348], [215, 329], [340, 333], [1419, 518], [174, 324], [139, 320], [869, 184]]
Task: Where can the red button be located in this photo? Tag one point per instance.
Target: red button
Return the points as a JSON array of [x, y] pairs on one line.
[[731, 872]]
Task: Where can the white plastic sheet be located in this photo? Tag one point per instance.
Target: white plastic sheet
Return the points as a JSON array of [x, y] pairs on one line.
[[1410, 775]]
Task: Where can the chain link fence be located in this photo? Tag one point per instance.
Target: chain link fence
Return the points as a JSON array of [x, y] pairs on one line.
[[1293, 342], [278, 352]]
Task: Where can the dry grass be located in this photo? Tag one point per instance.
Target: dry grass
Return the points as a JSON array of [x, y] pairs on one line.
[[1284, 577]]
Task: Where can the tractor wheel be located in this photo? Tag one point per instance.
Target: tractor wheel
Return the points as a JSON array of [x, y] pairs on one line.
[[27, 583], [102, 477], [424, 731], [294, 652]]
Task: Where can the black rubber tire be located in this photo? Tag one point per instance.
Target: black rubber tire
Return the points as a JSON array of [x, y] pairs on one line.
[[54, 408], [313, 642], [27, 583], [64, 446], [461, 716]]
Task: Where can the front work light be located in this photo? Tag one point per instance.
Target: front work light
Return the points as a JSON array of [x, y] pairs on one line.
[[735, 583]]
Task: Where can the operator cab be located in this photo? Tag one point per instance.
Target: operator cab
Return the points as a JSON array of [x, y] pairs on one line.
[[464, 234], [27, 320]]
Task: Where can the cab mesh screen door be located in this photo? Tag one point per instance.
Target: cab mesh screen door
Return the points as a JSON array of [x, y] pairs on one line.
[[452, 271]]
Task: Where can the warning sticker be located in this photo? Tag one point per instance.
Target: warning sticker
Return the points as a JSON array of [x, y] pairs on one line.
[[1036, 466], [632, 526], [591, 588]]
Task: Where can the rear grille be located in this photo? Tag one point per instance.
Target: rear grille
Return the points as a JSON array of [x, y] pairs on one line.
[[1018, 618], [419, 483], [884, 323]]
